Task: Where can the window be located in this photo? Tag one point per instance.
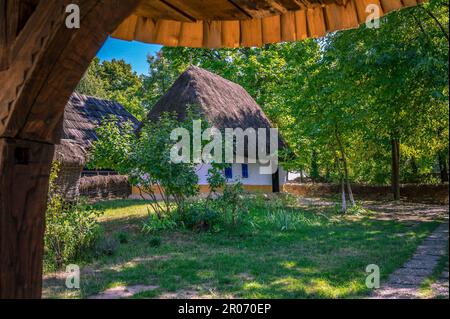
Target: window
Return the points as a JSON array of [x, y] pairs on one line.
[[229, 172], [244, 170]]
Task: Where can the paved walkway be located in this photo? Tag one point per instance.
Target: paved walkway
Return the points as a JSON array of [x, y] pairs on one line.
[[405, 282], [440, 288]]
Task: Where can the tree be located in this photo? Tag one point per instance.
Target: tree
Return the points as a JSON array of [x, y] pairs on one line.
[[92, 84], [114, 80]]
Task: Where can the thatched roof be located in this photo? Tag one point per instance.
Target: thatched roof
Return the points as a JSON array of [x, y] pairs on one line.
[[224, 104], [70, 152], [82, 116]]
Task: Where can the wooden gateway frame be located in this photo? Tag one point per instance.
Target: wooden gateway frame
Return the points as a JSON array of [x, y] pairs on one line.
[[42, 61]]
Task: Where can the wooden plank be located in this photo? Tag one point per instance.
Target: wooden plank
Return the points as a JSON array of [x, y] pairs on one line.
[[167, 32], [341, 17], [316, 22], [212, 34], [145, 30], [191, 34], [301, 27], [389, 5], [159, 10], [127, 29], [231, 34], [288, 30], [291, 5], [251, 33], [212, 10], [361, 6], [271, 29], [409, 3], [259, 8]]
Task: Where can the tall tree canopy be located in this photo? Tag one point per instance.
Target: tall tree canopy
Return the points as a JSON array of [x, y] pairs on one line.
[[114, 80], [368, 105]]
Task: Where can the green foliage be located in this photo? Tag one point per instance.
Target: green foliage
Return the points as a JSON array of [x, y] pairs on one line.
[[155, 223], [155, 241], [122, 237], [200, 215], [232, 203], [106, 247], [71, 228], [145, 158], [92, 84], [362, 87], [114, 80]]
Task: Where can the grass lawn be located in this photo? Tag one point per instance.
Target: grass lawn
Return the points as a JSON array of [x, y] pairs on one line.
[[324, 257]]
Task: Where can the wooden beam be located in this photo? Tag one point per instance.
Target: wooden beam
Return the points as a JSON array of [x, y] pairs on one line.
[[24, 172], [46, 64], [9, 24]]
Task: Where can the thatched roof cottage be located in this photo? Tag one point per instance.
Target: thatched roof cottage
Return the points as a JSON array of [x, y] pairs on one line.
[[223, 104], [83, 114]]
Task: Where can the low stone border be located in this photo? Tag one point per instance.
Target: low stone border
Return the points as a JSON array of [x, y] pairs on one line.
[[405, 282]]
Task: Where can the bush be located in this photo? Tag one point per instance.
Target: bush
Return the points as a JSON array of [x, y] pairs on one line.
[[284, 219], [108, 246], [71, 228], [232, 203], [155, 241], [199, 216], [158, 222], [122, 237]]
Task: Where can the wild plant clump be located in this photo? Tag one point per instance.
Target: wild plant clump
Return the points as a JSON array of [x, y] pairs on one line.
[[71, 228]]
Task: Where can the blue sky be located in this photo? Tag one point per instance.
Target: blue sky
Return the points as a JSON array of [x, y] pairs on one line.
[[134, 53]]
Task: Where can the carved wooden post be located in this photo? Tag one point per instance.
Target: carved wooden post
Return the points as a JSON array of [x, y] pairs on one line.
[[38, 72]]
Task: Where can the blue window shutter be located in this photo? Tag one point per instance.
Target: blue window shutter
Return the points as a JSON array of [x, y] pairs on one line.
[[244, 170], [229, 172]]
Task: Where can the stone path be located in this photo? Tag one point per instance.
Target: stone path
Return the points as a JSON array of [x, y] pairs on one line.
[[122, 292], [440, 288], [405, 282]]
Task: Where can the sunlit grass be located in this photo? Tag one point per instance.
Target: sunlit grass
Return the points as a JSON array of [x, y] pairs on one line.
[[325, 256]]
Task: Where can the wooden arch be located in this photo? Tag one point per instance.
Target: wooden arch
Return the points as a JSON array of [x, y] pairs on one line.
[[42, 61], [246, 23]]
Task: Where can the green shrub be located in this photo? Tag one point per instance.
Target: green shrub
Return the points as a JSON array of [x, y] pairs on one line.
[[106, 247], [199, 216], [158, 222], [155, 241], [122, 237], [71, 228], [284, 219], [232, 203]]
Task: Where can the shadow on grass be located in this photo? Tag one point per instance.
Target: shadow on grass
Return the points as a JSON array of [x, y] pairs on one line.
[[320, 259]]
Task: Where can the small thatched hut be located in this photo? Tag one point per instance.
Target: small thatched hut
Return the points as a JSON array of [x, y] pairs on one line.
[[223, 104], [83, 114]]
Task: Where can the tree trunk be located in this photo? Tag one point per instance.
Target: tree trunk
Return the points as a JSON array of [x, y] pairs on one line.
[[341, 177], [443, 167], [395, 179], [344, 163], [344, 203]]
